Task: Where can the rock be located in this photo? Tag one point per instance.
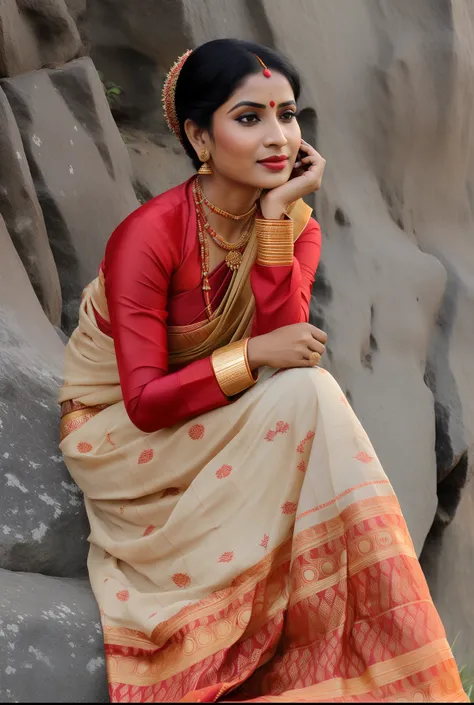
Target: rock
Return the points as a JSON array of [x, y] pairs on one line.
[[123, 44], [51, 645], [155, 163], [34, 33], [43, 525], [77, 8], [427, 130], [81, 169], [22, 214], [447, 561]]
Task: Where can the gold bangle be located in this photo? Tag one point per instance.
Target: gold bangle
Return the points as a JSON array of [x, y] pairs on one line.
[[274, 242], [231, 368]]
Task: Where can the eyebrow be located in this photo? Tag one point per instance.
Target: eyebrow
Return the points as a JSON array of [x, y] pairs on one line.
[[250, 104]]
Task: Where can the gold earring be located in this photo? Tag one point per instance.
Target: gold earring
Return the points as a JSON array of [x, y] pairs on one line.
[[206, 168]]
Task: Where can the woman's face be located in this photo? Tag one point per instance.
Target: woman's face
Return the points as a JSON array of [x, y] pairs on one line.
[[258, 122]]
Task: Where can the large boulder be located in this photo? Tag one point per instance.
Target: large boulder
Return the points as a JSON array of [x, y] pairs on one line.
[[80, 168], [156, 163], [43, 525], [134, 48], [447, 561], [51, 644], [34, 33], [22, 214]]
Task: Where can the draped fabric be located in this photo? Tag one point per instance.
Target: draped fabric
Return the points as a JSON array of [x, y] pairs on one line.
[[254, 552]]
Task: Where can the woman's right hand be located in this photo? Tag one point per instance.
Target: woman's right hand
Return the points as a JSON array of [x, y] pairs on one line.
[[290, 346]]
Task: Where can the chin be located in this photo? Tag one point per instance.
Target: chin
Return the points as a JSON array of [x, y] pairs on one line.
[[272, 180]]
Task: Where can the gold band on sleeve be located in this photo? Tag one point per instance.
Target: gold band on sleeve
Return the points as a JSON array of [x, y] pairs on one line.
[[231, 368], [274, 242]]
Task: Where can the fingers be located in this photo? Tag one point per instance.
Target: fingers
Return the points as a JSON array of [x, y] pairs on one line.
[[318, 334], [312, 152], [316, 346], [313, 359], [307, 147]]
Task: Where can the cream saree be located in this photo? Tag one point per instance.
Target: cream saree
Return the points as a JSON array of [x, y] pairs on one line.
[[256, 552]]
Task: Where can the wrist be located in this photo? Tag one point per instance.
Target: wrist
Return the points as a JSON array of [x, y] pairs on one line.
[[254, 353], [232, 369], [275, 242], [272, 210]]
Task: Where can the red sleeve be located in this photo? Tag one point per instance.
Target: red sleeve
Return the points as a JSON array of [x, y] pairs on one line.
[[138, 264], [283, 293]]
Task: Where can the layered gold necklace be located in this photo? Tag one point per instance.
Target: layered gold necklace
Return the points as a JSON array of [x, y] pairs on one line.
[[234, 250]]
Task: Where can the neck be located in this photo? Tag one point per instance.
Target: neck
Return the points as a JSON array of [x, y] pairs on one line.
[[232, 197]]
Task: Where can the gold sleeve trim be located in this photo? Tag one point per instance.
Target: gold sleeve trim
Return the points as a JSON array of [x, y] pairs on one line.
[[231, 368], [275, 245]]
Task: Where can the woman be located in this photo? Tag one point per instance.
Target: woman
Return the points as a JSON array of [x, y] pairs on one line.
[[245, 541]]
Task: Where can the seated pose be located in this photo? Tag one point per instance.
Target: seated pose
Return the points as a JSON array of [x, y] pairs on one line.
[[245, 541]]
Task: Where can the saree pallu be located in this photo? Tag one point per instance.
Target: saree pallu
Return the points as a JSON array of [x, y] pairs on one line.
[[255, 553]]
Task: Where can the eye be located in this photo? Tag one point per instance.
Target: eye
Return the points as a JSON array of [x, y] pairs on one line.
[[288, 116], [248, 119]]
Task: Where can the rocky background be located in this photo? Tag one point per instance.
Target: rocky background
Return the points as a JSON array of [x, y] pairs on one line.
[[388, 99]]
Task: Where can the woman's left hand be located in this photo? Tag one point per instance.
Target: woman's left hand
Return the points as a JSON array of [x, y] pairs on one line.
[[306, 177]]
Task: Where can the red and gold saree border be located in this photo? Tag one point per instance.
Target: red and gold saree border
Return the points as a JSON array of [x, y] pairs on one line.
[[340, 612]]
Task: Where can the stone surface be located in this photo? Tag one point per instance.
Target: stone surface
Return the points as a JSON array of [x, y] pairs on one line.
[[447, 561], [51, 646], [22, 214], [124, 44], [155, 162], [43, 526], [77, 9], [80, 168], [34, 33]]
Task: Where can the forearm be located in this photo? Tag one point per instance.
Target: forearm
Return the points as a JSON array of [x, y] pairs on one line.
[[275, 277], [283, 274], [172, 398], [199, 387], [278, 299]]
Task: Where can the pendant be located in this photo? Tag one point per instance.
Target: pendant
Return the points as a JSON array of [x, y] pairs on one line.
[[233, 259]]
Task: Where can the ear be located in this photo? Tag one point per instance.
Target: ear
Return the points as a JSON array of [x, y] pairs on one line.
[[198, 137]]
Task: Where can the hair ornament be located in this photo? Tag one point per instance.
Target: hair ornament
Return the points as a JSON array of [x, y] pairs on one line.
[[169, 92], [266, 71]]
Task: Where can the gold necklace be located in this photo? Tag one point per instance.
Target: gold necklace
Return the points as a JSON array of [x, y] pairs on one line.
[[220, 211], [234, 249]]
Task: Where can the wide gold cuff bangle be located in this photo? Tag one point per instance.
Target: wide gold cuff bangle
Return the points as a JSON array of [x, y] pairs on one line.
[[231, 368], [274, 242]]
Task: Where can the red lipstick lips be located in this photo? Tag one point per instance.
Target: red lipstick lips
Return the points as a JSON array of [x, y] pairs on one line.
[[276, 163]]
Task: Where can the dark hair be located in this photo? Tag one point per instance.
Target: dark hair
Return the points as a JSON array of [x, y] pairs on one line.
[[213, 72]]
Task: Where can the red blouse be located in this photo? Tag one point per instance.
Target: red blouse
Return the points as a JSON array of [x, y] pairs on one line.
[[152, 271]]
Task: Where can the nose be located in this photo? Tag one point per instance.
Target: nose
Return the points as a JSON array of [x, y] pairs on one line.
[[275, 135]]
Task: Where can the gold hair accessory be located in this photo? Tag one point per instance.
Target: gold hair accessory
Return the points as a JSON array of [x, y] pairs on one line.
[[169, 92]]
